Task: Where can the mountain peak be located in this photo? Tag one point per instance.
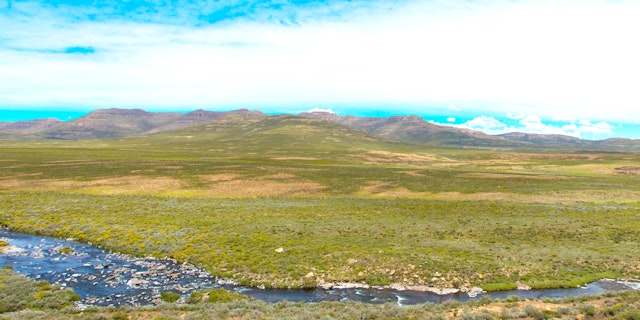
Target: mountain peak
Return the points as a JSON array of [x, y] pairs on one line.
[[118, 112]]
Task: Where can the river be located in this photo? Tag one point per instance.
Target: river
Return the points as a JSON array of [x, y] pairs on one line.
[[104, 278]]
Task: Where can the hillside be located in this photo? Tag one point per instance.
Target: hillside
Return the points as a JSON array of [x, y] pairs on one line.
[[281, 138], [112, 123], [109, 123], [26, 129], [412, 129]]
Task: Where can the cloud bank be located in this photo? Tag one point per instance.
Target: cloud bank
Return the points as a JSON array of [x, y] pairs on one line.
[[528, 123]]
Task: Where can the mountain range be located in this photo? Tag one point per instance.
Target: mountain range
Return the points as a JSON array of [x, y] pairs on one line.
[[112, 123]]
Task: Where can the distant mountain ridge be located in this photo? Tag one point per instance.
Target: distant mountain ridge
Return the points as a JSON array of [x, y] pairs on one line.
[[111, 123], [412, 129]]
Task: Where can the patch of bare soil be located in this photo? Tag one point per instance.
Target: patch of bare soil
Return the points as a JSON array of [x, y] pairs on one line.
[[547, 156], [492, 175], [413, 173], [69, 163], [627, 170], [577, 196], [220, 177], [380, 156], [374, 187], [284, 176], [169, 167], [384, 190], [293, 158], [262, 188], [117, 185]]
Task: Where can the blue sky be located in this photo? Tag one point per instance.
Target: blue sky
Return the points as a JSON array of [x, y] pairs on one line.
[[567, 67]]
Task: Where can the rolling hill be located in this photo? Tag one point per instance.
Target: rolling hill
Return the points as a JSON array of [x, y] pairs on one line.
[[412, 129], [110, 123]]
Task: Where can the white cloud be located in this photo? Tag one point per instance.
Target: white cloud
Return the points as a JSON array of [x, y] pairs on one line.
[[584, 122], [482, 54], [451, 119], [321, 110], [529, 123], [533, 123], [516, 116], [564, 117], [485, 124], [600, 128]]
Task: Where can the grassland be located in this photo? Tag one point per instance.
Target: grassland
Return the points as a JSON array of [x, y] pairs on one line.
[[291, 202]]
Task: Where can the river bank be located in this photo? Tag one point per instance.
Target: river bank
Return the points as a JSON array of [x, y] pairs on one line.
[[105, 278]]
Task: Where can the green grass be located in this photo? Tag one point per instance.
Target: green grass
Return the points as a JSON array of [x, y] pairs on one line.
[[169, 296], [19, 293], [215, 296], [343, 205], [466, 242]]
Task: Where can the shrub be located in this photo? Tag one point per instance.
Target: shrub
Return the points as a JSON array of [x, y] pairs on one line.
[[169, 296], [566, 310], [588, 309], [215, 296], [66, 250], [120, 316], [632, 314], [534, 312], [18, 293], [512, 314]]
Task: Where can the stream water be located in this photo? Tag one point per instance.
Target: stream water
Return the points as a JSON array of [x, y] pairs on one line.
[[104, 278]]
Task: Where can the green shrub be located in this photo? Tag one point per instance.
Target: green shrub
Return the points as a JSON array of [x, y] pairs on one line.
[[567, 310], [632, 314], [512, 314], [120, 316], [215, 296], [66, 250], [588, 309], [18, 293], [169, 296], [534, 312], [499, 286]]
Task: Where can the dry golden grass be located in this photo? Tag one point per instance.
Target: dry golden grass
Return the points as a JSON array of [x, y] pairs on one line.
[[107, 186], [281, 176], [220, 177], [492, 175], [293, 158], [386, 190], [380, 156], [262, 188]]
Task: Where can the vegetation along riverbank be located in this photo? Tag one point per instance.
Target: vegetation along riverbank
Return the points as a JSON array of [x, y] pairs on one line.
[[21, 298]]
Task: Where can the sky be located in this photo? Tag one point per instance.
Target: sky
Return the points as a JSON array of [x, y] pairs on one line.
[[564, 67]]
